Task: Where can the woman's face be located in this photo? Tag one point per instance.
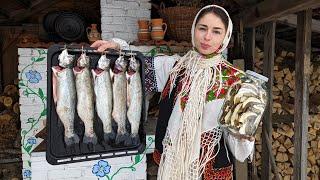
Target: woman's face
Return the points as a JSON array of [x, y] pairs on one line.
[[209, 33]]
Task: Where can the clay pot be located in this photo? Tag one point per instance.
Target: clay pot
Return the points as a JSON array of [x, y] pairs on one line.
[[143, 25], [157, 35], [157, 22], [159, 29], [144, 36], [92, 33]]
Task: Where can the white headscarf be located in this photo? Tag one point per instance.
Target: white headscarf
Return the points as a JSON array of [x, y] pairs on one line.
[[180, 159], [228, 30]]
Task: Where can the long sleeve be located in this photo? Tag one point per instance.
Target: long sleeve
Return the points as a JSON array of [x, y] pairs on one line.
[[241, 149], [157, 71], [123, 44]]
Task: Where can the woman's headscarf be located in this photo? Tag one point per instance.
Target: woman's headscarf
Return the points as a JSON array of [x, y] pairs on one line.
[[182, 150]]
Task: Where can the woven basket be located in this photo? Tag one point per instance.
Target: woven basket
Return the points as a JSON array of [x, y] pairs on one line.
[[179, 20]]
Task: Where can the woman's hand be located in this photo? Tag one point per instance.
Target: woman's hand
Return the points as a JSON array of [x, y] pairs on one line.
[[102, 45]]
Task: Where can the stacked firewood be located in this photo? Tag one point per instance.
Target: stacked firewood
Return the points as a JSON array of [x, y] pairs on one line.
[[283, 106], [9, 116], [284, 82], [283, 148]]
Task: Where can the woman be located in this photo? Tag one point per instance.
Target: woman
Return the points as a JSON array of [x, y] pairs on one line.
[[188, 138]]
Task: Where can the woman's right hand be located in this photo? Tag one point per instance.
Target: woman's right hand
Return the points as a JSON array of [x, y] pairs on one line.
[[102, 45]]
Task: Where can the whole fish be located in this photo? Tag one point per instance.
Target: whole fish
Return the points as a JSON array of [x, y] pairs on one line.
[[119, 112], [85, 96], [135, 99], [64, 94], [103, 93]]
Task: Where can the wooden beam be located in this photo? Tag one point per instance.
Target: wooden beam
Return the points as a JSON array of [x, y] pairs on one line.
[[25, 3], [286, 29], [244, 3], [4, 13], [291, 20], [268, 64], [44, 4], [250, 44], [1, 64], [273, 9], [283, 44], [301, 102]]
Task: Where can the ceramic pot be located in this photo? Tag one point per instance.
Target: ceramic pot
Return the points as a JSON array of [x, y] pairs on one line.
[[159, 29], [92, 33], [143, 25], [157, 35], [144, 36]]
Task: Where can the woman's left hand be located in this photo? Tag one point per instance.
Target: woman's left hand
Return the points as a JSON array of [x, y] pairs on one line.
[[102, 45]]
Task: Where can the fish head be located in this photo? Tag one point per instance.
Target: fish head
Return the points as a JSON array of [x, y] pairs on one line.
[[134, 65], [83, 60], [121, 64], [104, 62], [56, 70], [65, 59]]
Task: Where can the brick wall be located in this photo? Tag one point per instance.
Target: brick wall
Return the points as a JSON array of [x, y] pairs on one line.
[[119, 17]]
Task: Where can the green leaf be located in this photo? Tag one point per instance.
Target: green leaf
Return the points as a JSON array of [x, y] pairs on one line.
[[26, 93], [224, 72], [153, 52], [210, 96], [29, 163], [137, 159], [40, 92], [28, 148], [39, 59], [30, 120], [33, 59], [41, 51], [21, 83], [44, 112], [224, 78]]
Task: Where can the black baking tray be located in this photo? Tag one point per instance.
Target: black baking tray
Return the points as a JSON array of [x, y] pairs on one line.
[[57, 152]]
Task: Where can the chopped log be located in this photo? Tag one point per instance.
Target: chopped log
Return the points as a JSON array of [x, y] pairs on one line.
[[8, 102], [282, 139], [275, 135], [276, 144], [288, 143], [6, 117], [283, 53], [312, 159], [287, 177], [282, 157], [10, 90], [259, 148], [279, 59], [291, 150], [2, 99], [16, 108], [290, 54], [282, 149]]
